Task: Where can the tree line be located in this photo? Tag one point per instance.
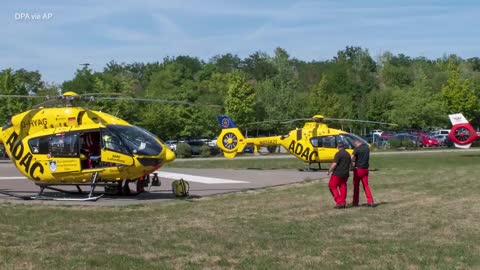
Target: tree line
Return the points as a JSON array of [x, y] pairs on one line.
[[413, 92]]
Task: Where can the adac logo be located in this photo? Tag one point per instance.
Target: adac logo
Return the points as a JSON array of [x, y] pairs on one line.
[[225, 123]]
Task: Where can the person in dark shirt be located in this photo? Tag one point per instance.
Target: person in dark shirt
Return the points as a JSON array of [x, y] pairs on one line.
[[339, 172], [361, 157]]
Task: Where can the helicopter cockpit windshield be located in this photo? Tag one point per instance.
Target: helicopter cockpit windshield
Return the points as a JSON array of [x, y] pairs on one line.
[[138, 140]]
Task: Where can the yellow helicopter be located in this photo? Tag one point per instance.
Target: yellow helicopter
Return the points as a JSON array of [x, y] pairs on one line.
[[72, 145], [314, 143]]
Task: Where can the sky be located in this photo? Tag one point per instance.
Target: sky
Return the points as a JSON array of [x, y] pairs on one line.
[[55, 37]]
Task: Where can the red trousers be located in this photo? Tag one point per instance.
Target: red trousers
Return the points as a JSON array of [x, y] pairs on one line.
[[338, 188], [360, 174]]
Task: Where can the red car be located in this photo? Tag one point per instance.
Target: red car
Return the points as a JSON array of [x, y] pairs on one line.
[[428, 141], [387, 135]]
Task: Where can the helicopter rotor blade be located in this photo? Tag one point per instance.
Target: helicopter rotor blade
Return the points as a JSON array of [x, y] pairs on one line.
[[158, 100], [49, 99], [359, 121], [279, 121], [22, 96], [295, 120]]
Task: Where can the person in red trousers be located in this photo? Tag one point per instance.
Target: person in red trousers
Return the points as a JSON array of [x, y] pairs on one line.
[[361, 157], [339, 172]]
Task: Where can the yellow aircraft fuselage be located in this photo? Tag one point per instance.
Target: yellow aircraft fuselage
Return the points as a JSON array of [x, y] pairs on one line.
[[45, 146], [314, 143]]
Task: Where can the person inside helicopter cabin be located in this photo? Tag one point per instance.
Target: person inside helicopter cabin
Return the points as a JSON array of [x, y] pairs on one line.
[[339, 172], [89, 149]]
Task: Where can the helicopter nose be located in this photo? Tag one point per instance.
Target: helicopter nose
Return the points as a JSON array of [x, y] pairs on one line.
[[169, 155]]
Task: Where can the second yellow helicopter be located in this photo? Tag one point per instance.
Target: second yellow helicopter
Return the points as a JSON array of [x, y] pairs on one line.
[[314, 143]]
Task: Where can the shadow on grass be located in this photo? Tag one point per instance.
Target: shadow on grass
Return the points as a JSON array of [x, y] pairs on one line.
[[260, 169], [366, 205], [470, 155]]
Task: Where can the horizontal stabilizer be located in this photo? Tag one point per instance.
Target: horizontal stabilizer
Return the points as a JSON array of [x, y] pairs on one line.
[[466, 146]]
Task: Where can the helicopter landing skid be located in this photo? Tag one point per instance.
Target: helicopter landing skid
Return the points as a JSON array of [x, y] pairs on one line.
[[90, 197], [86, 199], [46, 198], [310, 169]]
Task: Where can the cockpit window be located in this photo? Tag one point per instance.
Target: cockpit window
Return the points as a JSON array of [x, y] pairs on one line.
[[349, 139], [138, 140]]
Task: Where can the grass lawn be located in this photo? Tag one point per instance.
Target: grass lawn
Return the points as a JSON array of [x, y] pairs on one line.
[[428, 217]]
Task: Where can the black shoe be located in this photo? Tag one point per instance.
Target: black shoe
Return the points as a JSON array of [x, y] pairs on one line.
[[372, 205], [339, 206], [355, 205]]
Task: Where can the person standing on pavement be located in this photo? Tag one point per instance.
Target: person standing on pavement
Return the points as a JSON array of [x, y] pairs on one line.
[[339, 172], [361, 158]]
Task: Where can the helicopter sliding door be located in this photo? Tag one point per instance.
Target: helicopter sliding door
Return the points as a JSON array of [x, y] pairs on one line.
[[114, 151], [62, 149]]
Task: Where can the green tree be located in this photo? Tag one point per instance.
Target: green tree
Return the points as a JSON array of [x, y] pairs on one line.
[[82, 83], [279, 97], [396, 71], [458, 96], [226, 63], [258, 66], [19, 82], [240, 99], [417, 107], [322, 100], [379, 105]]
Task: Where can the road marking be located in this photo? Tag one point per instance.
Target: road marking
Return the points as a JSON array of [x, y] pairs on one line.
[[13, 178], [199, 179]]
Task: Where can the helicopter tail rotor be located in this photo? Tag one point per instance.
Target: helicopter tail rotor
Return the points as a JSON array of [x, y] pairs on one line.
[[462, 133], [231, 141]]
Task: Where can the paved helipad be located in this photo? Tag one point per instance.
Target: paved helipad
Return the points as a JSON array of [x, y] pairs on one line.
[[203, 182]]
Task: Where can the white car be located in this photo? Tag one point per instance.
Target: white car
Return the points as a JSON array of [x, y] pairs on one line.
[[441, 132], [213, 142], [172, 145], [377, 132]]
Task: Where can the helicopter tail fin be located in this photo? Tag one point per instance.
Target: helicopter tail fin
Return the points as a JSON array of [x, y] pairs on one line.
[[231, 141]]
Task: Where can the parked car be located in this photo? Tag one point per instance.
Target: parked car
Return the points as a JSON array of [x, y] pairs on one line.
[[213, 142], [370, 138], [196, 146], [172, 145], [376, 141], [387, 134], [406, 137], [443, 140], [429, 141], [441, 132], [377, 132], [248, 149]]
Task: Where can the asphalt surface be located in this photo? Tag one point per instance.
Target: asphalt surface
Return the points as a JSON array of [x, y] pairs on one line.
[[203, 182]]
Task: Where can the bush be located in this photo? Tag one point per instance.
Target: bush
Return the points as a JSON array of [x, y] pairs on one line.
[[184, 150], [205, 151], [215, 151], [395, 143]]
